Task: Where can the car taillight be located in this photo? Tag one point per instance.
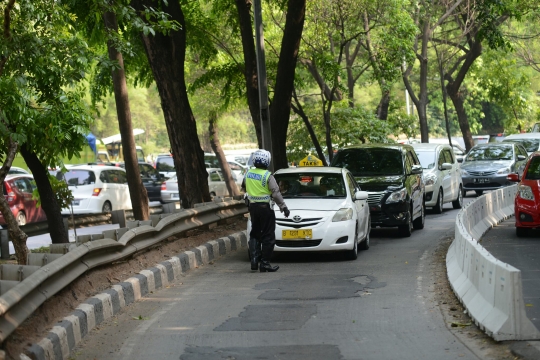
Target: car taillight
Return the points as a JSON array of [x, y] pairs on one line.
[[96, 192], [11, 196], [164, 186]]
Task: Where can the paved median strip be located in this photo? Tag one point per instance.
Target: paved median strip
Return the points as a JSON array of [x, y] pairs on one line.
[[67, 333]]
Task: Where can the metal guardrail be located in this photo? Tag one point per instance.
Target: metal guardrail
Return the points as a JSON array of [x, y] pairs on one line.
[[19, 302]]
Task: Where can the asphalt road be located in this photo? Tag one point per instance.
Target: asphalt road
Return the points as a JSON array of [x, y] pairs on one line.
[[317, 306]]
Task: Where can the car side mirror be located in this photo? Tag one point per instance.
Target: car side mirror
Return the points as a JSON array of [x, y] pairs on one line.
[[361, 195], [416, 169], [521, 157], [459, 160], [446, 166], [512, 177]]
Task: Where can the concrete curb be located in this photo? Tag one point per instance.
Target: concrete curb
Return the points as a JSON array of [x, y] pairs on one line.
[[68, 332]]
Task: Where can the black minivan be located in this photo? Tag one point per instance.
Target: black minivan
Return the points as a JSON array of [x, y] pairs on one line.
[[392, 175]]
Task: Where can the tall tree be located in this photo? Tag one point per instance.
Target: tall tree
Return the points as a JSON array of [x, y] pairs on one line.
[[166, 53], [137, 191], [42, 107]]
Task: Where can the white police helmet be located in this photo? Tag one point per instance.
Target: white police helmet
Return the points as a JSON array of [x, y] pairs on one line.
[[260, 158]]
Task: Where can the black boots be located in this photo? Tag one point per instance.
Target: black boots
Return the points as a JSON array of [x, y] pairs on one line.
[[265, 266], [254, 253]]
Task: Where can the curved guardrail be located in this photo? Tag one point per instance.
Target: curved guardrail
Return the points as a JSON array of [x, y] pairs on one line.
[[490, 289], [19, 302]]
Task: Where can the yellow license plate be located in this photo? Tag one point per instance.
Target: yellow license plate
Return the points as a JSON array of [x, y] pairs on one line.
[[297, 234]]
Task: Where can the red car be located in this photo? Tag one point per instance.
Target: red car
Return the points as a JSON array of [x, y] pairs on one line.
[[527, 203], [18, 193]]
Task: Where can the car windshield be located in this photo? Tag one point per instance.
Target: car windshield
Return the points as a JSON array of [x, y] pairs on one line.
[[531, 145], [493, 152], [78, 177], [311, 185], [427, 159], [370, 161], [165, 163], [533, 172]]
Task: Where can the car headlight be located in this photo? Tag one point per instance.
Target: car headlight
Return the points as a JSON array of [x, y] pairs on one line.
[[430, 179], [397, 196], [505, 170], [525, 192], [343, 215]]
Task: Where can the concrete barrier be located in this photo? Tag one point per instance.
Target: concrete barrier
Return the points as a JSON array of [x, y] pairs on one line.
[[490, 290]]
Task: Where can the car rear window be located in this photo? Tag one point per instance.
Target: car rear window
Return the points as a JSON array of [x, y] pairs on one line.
[[531, 145], [165, 163], [370, 161], [311, 185], [533, 172], [493, 152], [78, 177]]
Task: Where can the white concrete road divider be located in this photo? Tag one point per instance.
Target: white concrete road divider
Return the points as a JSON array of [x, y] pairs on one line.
[[490, 290], [66, 334]]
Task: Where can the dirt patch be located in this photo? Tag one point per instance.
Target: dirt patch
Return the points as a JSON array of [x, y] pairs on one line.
[[97, 280], [455, 315]]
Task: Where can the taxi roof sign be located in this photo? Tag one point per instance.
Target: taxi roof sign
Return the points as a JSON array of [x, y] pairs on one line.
[[310, 160]]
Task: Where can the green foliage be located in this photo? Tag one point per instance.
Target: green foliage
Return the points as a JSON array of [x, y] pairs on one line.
[[62, 193]]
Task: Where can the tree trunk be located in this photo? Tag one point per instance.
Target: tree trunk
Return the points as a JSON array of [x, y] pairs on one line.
[[232, 188], [137, 191], [250, 64], [421, 106], [17, 236], [328, 133], [300, 112], [453, 90], [382, 108], [281, 105], [166, 55], [49, 204]]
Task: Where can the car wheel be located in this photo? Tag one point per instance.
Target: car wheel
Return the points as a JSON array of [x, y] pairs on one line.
[[406, 229], [458, 203], [418, 223], [521, 232], [21, 218], [479, 192], [353, 254], [107, 208], [438, 208]]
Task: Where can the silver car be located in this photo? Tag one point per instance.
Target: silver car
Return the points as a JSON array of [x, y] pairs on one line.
[[486, 166]]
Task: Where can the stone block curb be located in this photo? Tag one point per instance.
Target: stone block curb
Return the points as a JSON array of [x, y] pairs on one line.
[[68, 332]]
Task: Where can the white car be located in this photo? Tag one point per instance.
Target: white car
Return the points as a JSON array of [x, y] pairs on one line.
[[216, 186], [442, 176], [329, 212], [530, 141], [96, 189]]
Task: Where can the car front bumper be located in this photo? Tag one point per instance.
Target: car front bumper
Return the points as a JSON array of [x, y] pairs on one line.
[[389, 215], [527, 214], [492, 182]]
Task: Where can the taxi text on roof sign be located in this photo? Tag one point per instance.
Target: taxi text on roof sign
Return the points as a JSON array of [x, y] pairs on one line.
[[310, 160]]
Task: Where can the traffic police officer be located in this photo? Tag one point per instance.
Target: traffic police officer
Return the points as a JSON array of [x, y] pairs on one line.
[[261, 188]]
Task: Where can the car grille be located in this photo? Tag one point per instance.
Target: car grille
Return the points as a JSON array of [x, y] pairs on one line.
[[375, 198], [298, 243], [482, 173], [297, 225]]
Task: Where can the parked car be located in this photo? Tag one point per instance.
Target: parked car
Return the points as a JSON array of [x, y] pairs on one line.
[[329, 212], [392, 176], [530, 141], [216, 186], [152, 180], [96, 189], [486, 166], [17, 170], [442, 176], [165, 165], [527, 201], [169, 190], [17, 189]]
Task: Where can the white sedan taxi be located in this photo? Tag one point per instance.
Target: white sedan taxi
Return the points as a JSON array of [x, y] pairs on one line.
[[329, 212]]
